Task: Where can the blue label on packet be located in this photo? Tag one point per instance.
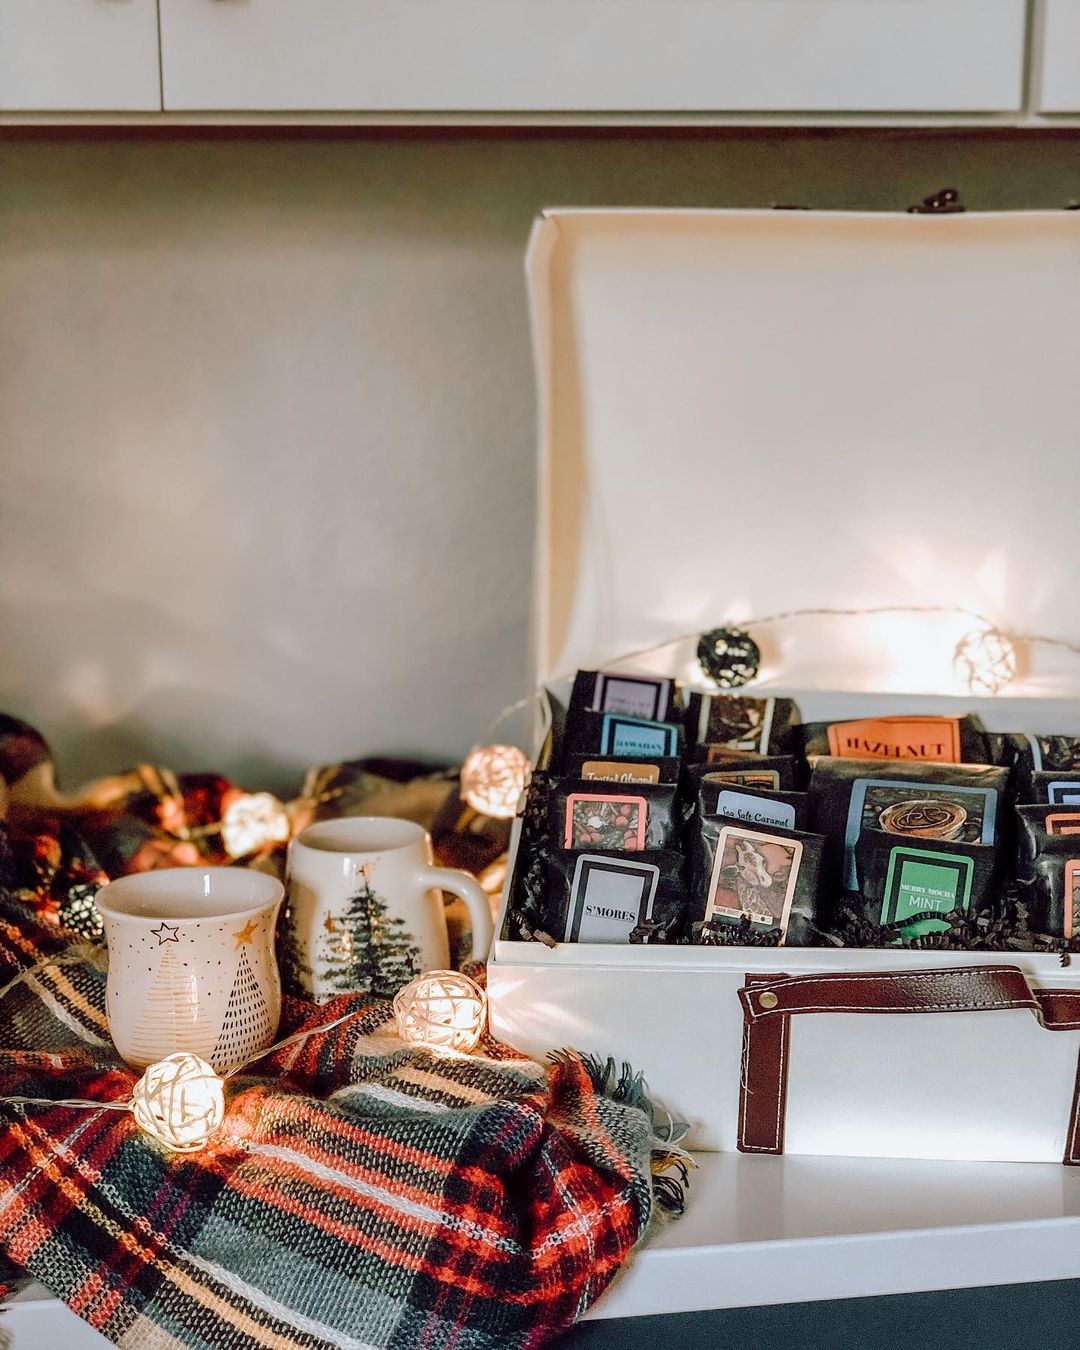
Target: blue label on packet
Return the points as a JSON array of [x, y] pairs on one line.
[[632, 736], [968, 815], [755, 810], [1064, 793]]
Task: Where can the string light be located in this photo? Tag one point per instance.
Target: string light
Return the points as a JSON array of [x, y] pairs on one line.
[[441, 1009], [180, 1102], [729, 657], [493, 778], [254, 823], [987, 661], [987, 658]]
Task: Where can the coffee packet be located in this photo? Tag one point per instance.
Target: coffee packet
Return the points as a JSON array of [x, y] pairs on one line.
[[1037, 826], [915, 887], [648, 697], [612, 769], [526, 914], [765, 726], [611, 817], [943, 740], [740, 766], [1028, 755], [762, 879], [715, 795], [916, 801], [615, 898], [1055, 787], [1053, 899], [619, 736]]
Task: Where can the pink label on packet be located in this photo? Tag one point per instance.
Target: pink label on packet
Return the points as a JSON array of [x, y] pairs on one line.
[[605, 821]]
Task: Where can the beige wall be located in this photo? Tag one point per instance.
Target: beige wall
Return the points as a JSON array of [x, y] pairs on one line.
[[266, 417]]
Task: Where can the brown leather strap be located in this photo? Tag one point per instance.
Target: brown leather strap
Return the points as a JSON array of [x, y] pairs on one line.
[[955, 989], [769, 1002], [1072, 1138], [763, 1101]]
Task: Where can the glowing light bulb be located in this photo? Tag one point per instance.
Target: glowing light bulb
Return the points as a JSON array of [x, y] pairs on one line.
[[493, 778], [253, 822], [180, 1102], [986, 661], [442, 1009]]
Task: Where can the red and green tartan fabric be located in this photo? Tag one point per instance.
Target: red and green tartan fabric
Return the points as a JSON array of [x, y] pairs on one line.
[[359, 1194]]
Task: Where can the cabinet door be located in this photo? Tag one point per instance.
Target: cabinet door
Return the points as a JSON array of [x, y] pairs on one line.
[[593, 55], [1061, 57], [79, 56]]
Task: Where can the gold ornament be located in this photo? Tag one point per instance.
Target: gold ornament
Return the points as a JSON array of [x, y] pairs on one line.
[[253, 823], [442, 1010], [180, 1102], [986, 661], [493, 778]]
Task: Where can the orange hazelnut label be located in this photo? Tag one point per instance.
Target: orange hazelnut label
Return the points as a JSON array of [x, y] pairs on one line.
[[928, 738]]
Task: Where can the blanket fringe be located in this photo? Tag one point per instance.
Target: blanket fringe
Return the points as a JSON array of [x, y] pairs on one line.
[[620, 1083]]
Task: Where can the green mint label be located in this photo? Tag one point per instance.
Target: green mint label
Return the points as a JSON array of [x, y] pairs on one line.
[[920, 883]]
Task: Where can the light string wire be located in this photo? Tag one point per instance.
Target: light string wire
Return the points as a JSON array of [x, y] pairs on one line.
[[781, 616], [74, 958], [828, 611], [509, 711]]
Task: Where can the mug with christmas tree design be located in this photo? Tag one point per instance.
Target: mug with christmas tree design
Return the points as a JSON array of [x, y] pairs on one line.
[[366, 911], [191, 963]]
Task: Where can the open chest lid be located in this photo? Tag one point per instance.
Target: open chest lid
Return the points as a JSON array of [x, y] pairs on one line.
[[747, 412]]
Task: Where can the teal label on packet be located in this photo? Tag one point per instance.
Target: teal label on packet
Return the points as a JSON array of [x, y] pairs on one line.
[[632, 736], [922, 882]]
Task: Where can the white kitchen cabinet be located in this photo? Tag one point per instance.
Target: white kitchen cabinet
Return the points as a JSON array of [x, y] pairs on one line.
[[79, 56], [629, 56], [1060, 86]]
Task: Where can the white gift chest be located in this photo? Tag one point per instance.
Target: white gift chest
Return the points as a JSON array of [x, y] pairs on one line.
[[750, 412]]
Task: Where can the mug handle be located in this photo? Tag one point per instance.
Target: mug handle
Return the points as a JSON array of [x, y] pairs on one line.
[[468, 889]]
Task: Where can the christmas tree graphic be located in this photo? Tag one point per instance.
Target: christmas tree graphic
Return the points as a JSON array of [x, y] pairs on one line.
[[247, 1023], [295, 971], [172, 1017], [366, 951]]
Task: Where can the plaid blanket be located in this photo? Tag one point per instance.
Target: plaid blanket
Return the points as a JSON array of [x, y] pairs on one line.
[[359, 1194]]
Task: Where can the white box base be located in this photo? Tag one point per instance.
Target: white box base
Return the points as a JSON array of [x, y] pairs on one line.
[[790, 1230]]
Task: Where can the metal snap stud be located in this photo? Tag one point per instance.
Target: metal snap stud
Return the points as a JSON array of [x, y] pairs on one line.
[[768, 1000]]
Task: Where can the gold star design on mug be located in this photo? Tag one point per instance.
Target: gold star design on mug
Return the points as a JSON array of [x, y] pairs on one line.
[[165, 932], [328, 923], [367, 869], [245, 934]]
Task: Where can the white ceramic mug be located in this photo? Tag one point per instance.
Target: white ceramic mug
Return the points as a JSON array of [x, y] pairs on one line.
[[191, 963], [365, 909]]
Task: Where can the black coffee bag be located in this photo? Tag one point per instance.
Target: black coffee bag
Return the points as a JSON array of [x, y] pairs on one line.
[[613, 897], [740, 766], [1058, 756], [911, 887], [612, 769], [764, 807], [1055, 787], [1053, 900], [956, 803], [944, 740], [1037, 827], [649, 697], [619, 736], [612, 816], [765, 726], [765, 878]]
